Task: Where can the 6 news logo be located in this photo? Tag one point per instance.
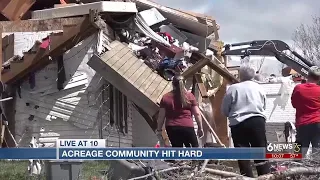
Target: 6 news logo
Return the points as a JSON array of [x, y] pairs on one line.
[[283, 147]]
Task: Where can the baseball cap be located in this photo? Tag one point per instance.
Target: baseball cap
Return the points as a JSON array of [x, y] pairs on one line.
[[314, 70]]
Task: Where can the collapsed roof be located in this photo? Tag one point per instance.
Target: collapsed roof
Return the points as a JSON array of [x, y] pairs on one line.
[[185, 40]]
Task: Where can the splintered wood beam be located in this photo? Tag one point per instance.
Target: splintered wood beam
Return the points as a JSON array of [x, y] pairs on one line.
[[15, 9], [213, 65], [7, 47], [61, 44], [39, 25], [223, 72], [195, 68], [201, 86]]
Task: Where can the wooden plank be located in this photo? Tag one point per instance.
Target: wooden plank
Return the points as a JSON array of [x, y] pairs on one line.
[[7, 47], [109, 54], [39, 25], [163, 84], [213, 65], [122, 61], [143, 77], [138, 73], [167, 89], [195, 68], [123, 85], [153, 86], [201, 86], [133, 69], [127, 65], [144, 86], [223, 72], [114, 44], [66, 42], [17, 8], [3, 127], [117, 57]]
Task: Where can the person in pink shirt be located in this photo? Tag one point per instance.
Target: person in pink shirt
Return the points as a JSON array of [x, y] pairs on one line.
[[176, 110]]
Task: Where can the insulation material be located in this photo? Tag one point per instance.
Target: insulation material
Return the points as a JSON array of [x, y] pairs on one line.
[[145, 29], [83, 9], [23, 41]]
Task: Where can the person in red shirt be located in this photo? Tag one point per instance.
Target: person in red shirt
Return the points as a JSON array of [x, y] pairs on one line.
[[306, 100], [176, 110]]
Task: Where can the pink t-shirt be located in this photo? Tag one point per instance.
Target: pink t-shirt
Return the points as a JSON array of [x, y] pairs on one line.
[[175, 114]]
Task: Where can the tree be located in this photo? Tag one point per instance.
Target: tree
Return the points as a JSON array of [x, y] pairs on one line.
[[307, 39]]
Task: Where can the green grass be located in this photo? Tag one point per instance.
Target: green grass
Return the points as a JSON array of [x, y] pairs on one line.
[[17, 170]]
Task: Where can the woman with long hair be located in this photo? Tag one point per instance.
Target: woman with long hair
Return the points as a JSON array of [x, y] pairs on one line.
[[176, 110]]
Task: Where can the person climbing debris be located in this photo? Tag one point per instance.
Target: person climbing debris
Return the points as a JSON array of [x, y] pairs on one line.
[[244, 104], [306, 100], [176, 110]]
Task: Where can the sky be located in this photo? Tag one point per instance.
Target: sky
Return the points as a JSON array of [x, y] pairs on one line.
[[246, 20]]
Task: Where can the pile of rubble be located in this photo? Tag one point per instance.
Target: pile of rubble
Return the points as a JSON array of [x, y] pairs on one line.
[[168, 52], [161, 45]]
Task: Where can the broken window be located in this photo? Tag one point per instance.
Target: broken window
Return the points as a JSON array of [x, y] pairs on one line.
[[118, 105]]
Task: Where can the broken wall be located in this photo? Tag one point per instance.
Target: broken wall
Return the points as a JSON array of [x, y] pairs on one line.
[[46, 113]]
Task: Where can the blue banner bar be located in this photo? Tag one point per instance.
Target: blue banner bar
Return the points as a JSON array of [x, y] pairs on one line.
[[162, 153], [28, 153], [132, 153]]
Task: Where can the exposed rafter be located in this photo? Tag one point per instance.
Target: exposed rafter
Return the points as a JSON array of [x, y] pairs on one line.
[[39, 25]]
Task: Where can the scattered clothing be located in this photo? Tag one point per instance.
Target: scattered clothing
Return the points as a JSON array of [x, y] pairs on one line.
[[45, 43], [168, 68], [167, 37]]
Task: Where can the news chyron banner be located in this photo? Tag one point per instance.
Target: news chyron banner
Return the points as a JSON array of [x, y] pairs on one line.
[[95, 149], [284, 151]]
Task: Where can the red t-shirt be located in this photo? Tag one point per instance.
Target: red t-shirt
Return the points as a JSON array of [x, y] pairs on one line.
[[175, 114], [306, 99]]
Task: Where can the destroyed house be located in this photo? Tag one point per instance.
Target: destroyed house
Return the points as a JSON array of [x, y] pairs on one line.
[[99, 70]]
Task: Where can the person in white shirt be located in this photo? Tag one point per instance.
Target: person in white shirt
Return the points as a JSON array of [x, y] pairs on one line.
[[244, 104]]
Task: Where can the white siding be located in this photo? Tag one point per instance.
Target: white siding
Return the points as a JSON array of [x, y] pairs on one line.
[[143, 136], [69, 113]]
